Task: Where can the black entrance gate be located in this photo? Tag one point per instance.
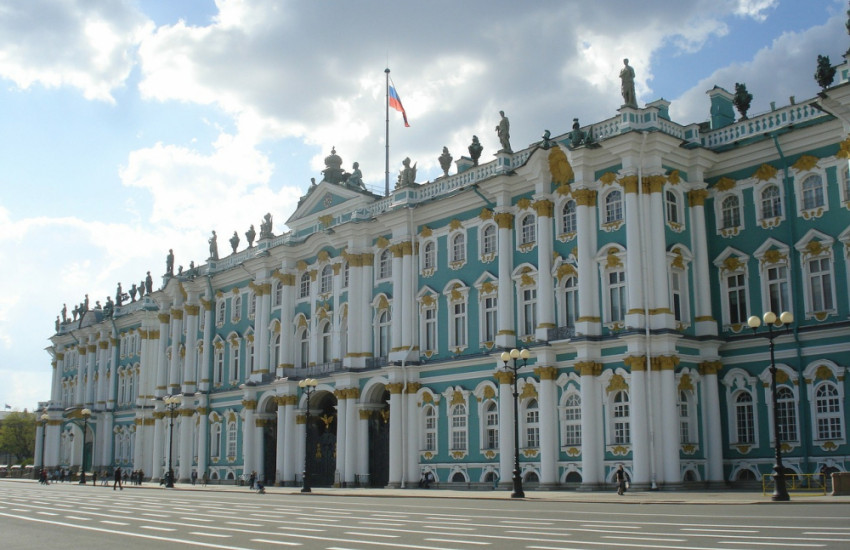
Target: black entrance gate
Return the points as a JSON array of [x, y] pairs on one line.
[[379, 447], [321, 450], [270, 450]]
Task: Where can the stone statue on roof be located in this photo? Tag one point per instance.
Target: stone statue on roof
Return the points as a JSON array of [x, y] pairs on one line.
[[149, 283], [445, 161], [627, 85], [64, 313], [119, 296], [213, 246], [355, 179], [475, 149], [503, 130], [266, 227], [407, 176], [234, 242], [133, 292], [333, 172], [251, 234], [169, 262]]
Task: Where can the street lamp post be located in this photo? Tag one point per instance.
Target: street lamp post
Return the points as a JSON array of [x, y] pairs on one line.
[[308, 386], [515, 354], [85, 413], [780, 493], [43, 418], [171, 404]]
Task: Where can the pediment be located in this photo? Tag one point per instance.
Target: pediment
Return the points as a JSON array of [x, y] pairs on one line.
[[328, 198]]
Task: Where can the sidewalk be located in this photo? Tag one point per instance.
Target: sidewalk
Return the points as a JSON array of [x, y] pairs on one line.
[[729, 497]]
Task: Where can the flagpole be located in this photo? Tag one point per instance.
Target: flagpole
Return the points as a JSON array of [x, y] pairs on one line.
[[387, 140]]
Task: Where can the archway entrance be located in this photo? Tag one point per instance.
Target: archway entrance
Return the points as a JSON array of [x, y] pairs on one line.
[[321, 439], [269, 425], [379, 441]]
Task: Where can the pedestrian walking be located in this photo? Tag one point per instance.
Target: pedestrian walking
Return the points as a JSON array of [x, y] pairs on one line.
[[194, 477], [620, 476], [117, 479], [205, 479]]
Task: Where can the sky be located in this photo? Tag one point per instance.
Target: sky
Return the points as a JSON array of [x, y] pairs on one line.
[[129, 127]]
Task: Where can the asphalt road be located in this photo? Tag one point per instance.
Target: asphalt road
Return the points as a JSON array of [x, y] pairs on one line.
[[85, 517]]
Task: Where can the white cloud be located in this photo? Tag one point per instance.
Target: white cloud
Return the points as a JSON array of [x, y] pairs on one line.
[[76, 43], [755, 9]]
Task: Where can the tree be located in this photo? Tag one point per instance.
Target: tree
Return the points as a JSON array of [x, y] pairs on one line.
[[17, 435]]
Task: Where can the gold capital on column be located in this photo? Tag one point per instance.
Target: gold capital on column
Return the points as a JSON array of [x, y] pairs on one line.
[[589, 368], [636, 363], [395, 388], [710, 367], [503, 377], [413, 387], [546, 373], [544, 208], [697, 197], [505, 220], [585, 197]]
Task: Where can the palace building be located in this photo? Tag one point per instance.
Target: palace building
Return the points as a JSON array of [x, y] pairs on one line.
[[626, 255]]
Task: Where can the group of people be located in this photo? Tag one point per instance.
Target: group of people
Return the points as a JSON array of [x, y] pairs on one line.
[[255, 484]]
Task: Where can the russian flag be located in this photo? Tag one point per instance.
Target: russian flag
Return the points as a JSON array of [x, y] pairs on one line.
[[395, 103]]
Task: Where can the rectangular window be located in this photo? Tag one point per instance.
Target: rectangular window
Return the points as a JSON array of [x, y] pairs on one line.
[[820, 281], [737, 299], [529, 310], [490, 316], [430, 329], [459, 324], [676, 289], [777, 288], [617, 296]]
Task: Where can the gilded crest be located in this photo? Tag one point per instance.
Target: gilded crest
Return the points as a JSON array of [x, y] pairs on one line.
[[805, 163], [559, 166], [765, 172], [725, 184]]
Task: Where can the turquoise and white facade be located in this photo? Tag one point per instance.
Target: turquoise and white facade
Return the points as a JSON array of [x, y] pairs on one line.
[[628, 266]]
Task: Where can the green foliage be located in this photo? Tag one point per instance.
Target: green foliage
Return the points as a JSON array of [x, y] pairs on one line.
[[17, 435]]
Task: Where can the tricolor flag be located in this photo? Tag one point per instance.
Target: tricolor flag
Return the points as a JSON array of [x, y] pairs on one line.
[[8, 406], [395, 103]]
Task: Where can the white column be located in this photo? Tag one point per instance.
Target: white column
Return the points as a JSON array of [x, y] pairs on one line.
[[261, 331], [671, 469], [291, 431], [712, 415], [408, 295], [658, 255], [351, 442], [635, 252], [174, 372], [506, 336], [159, 443], [341, 431], [249, 429], [91, 357], [545, 281], [640, 411], [287, 312], [56, 386], [588, 279], [203, 436], [204, 374], [112, 362], [187, 433], [398, 298], [412, 434], [161, 363], [548, 425], [300, 445], [280, 442], [81, 371], [355, 305], [705, 324], [592, 440], [260, 450], [190, 379], [506, 432], [102, 393], [395, 434], [366, 299], [363, 438]]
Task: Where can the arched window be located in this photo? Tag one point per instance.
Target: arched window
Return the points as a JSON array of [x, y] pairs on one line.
[[744, 418], [613, 207], [491, 419], [459, 248], [236, 308], [528, 230], [429, 255], [771, 202], [571, 431], [568, 217], [385, 264], [532, 424], [812, 192], [458, 428], [220, 311], [622, 426], [304, 287], [488, 240], [276, 351], [383, 346], [731, 212], [327, 279], [828, 412], [786, 414], [252, 305]]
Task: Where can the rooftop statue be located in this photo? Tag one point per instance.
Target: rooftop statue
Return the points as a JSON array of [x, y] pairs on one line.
[[742, 100], [169, 263], [213, 246], [627, 85], [577, 136], [64, 313], [445, 161], [333, 172], [133, 291], [109, 308], [407, 176], [475, 150], [149, 283], [266, 227], [234, 242], [251, 234], [119, 296], [141, 288], [503, 130], [86, 303], [545, 141], [355, 179], [97, 305]]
